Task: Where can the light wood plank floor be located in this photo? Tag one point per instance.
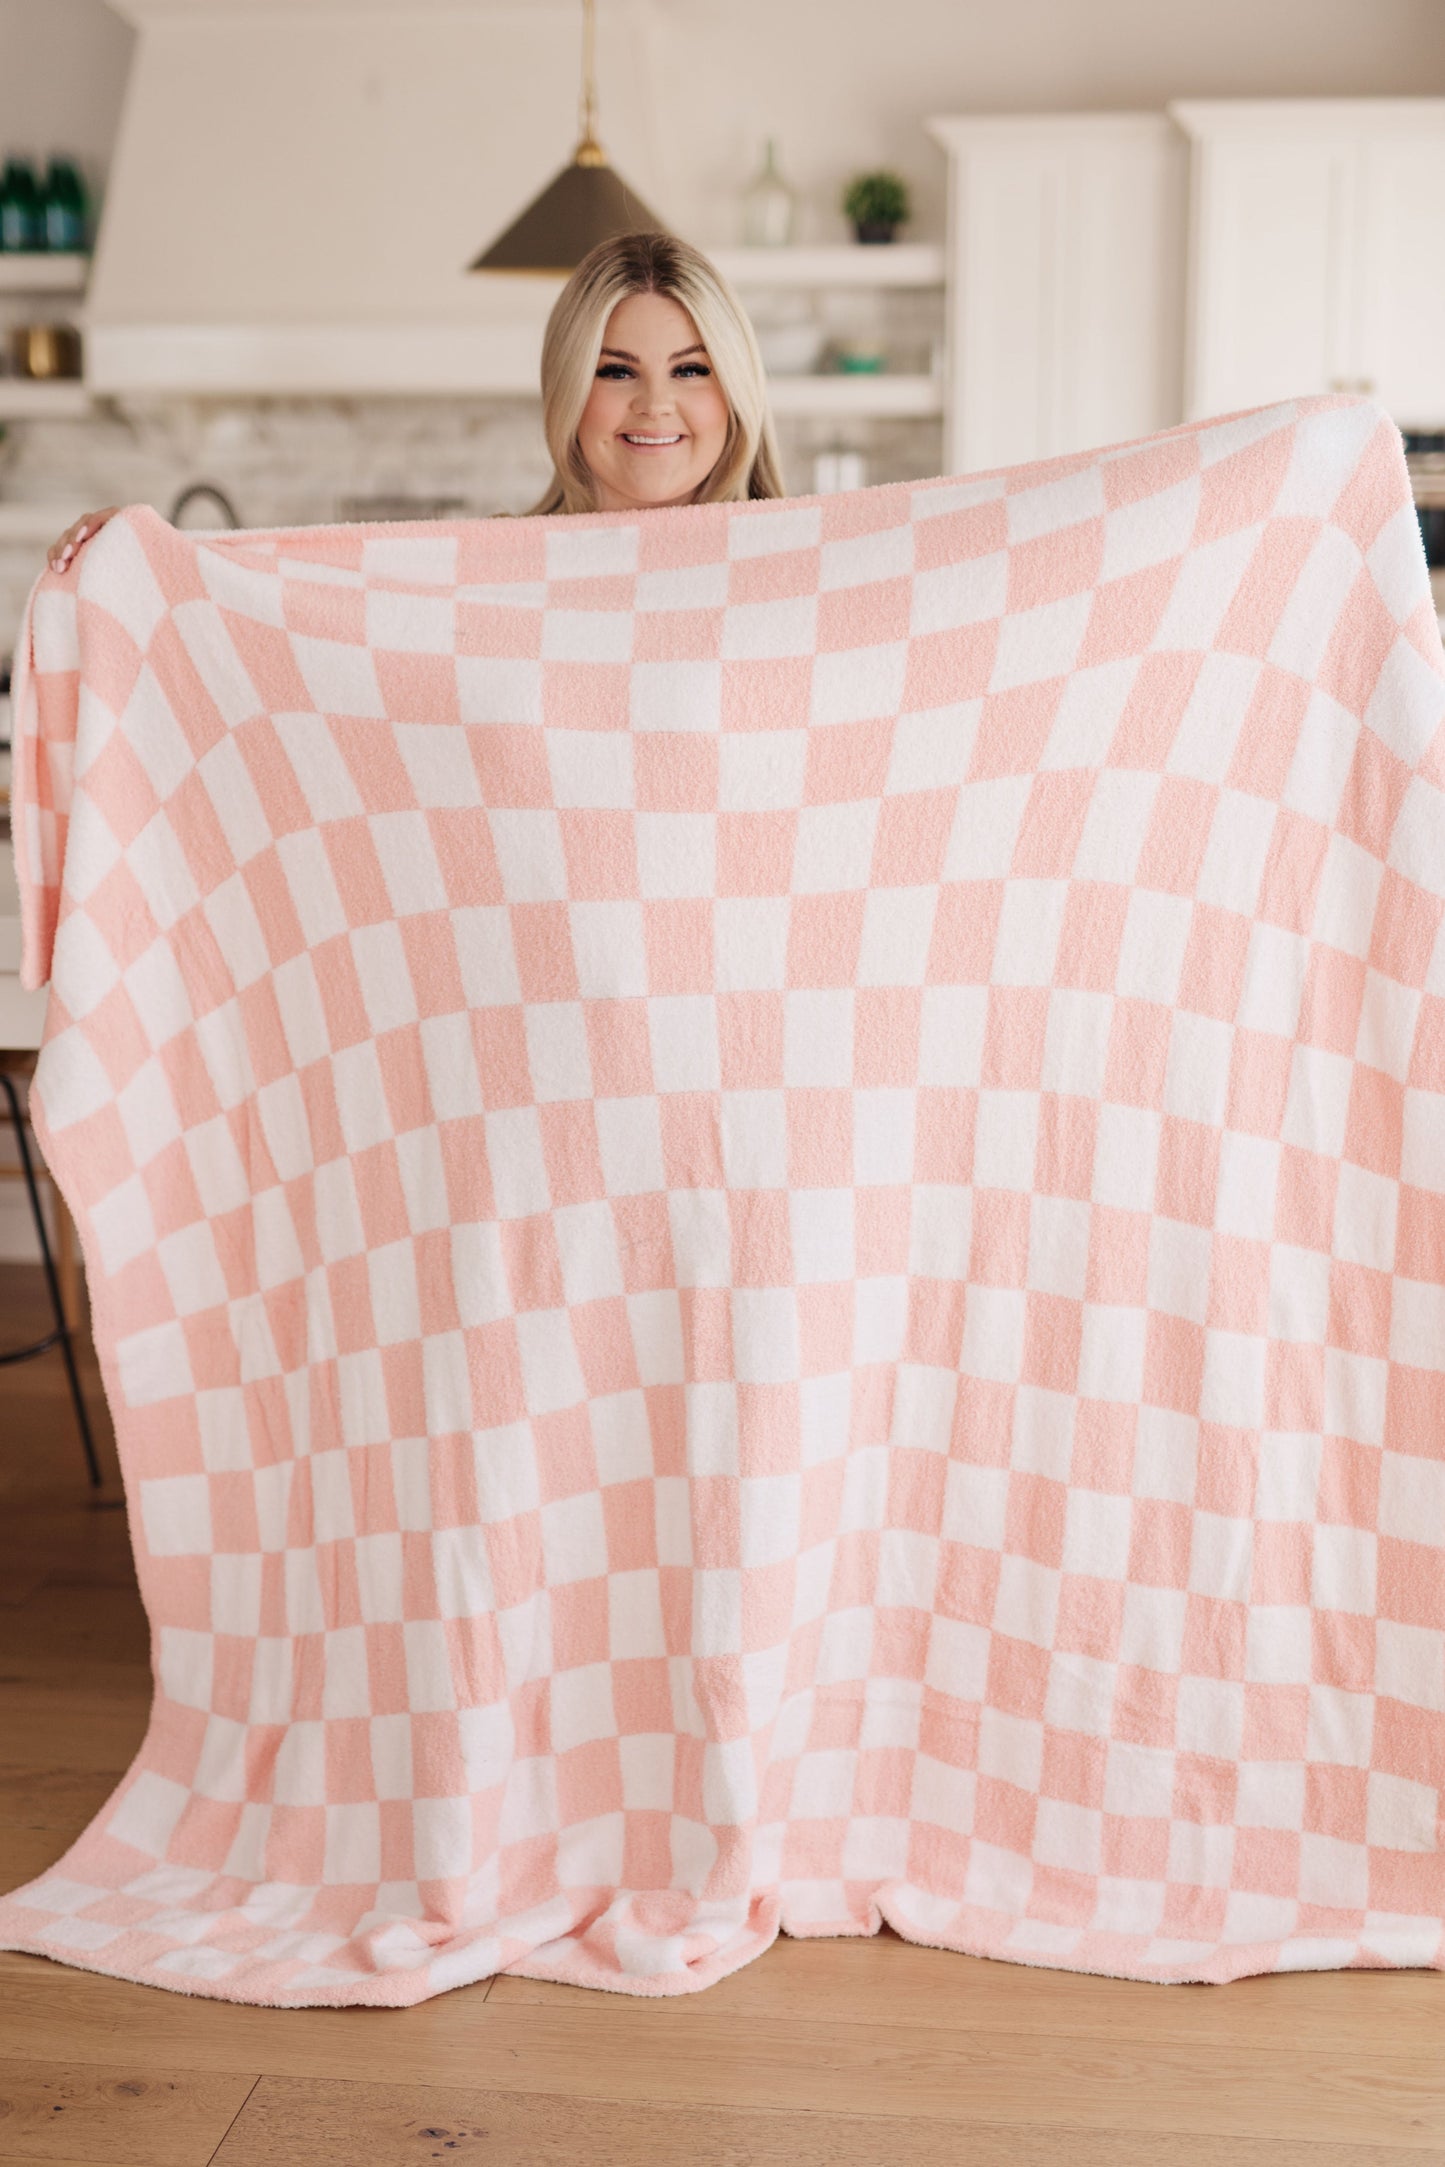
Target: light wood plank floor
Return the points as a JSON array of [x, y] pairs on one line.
[[822, 2054]]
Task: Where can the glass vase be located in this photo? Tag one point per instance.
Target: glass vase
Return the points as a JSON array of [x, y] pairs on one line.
[[769, 205]]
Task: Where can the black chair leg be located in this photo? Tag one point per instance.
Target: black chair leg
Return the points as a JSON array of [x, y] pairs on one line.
[[61, 1335]]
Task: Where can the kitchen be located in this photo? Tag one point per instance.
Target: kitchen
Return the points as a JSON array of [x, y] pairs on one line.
[[1106, 221]]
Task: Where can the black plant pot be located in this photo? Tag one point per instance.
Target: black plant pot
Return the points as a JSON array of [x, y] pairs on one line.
[[873, 230]]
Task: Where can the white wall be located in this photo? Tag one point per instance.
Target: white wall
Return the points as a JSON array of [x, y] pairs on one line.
[[842, 83]]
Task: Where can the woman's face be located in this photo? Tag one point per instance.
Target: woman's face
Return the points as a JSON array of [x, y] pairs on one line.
[[656, 420]]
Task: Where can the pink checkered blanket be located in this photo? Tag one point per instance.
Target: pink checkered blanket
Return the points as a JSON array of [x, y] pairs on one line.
[[764, 1191]]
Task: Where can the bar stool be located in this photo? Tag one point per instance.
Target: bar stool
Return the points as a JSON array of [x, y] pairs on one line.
[[12, 1065]]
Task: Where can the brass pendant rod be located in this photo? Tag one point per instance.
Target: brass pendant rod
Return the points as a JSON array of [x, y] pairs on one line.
[[589, 150]]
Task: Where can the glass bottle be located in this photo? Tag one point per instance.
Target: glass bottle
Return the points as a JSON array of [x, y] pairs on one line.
[[20, 227], [769, 205], [63, 206]]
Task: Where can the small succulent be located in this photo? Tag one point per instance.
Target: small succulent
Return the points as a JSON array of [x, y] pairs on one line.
[[876, 200]]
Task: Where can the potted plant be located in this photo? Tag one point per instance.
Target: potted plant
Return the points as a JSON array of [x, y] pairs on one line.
[[877, 203]]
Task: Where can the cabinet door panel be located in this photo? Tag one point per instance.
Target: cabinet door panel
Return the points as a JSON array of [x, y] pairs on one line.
[[1067, 243], [1121, 280], [1403, 276], [1005, 308], [1271, 286]]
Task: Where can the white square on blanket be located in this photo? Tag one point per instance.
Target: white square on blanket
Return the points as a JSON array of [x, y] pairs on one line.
[[676, 695], [176, 1515]]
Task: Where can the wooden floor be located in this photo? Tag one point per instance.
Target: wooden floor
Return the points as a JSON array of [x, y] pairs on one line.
[[822, 2054]]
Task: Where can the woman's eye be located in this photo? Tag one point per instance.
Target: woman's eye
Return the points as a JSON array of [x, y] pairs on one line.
[[692, 368], [614, 370]]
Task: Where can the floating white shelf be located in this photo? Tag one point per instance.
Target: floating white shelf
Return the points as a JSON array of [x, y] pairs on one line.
[[891, 263], [881, 395], [43, 273], [42, 399]]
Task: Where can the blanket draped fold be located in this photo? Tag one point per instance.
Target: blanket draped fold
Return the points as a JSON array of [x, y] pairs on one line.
[[764, 1195]]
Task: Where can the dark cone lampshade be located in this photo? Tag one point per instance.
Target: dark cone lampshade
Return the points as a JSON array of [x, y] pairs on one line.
[[588, 202], [585, 204]]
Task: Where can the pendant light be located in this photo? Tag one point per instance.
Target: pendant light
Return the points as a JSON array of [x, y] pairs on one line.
[[588, 201]]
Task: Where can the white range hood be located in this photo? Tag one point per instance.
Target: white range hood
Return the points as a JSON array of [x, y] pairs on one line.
[[298, 187]]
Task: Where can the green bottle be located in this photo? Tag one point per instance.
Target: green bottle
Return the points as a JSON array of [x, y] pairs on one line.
[[21, 229], [64, 206]]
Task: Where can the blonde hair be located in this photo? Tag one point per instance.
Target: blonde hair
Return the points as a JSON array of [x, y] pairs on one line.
[[629, 263]]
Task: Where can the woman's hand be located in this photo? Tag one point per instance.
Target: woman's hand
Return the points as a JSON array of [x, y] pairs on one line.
[[62, 550]]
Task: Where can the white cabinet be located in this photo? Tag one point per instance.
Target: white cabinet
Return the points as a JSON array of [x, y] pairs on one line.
[[1315, 259], [1065, 290]]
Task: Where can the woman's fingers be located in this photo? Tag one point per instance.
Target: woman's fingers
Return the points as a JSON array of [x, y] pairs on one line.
[[63, 550]]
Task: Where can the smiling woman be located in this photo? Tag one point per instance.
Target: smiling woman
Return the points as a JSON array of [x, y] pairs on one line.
[[652, 384]]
